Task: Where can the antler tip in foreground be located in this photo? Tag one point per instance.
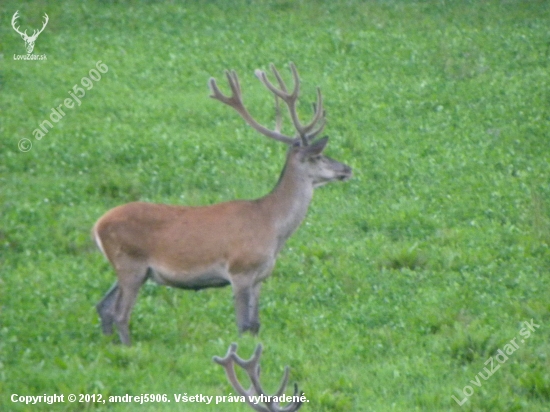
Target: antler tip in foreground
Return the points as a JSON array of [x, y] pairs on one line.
[[259, 73], [212, 86], [228, 356]]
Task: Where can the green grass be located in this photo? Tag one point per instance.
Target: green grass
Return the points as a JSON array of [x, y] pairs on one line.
[[400, 284]]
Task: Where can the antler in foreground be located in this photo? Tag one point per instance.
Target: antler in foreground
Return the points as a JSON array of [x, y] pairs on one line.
[[255, 394]]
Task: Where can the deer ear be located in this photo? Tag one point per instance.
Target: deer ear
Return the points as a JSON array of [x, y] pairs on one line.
[[317, 147]]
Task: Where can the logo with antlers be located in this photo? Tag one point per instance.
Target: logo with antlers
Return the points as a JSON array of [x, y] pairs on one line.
[[29, 40]]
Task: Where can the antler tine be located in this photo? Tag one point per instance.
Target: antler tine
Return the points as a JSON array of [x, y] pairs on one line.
[[294, 406], [234, 84], [235, 101], [218, 95], [284, 381], [227, 358], [316, 126], [319, 116], [282, 84]]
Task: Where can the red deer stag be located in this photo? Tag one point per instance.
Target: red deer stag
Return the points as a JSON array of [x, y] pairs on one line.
[[255, 394], [234, 242]]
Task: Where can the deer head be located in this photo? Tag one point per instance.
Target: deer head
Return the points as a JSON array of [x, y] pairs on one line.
[[303, 147], [29, 40]]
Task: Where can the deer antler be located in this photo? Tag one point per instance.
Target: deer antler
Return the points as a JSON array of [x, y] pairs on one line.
[[256, 392], [306, 133], [235, 101]]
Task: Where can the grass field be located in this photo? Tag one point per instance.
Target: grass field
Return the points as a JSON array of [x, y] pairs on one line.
[[402, 284]]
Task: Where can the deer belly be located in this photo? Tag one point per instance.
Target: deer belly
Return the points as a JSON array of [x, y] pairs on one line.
[[212, 277]]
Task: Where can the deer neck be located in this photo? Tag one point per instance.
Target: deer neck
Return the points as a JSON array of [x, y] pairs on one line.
[[288, 202]]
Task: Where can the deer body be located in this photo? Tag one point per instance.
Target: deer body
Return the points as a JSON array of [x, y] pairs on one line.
[[232, 243], [202, 246]]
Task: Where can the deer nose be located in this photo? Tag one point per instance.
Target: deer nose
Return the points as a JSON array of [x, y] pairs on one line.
[[345, 174]]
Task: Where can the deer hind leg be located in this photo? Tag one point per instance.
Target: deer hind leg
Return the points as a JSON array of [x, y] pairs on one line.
[[105, 309], [131, 275]]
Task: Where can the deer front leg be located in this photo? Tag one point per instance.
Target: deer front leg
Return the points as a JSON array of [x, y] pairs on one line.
[[253, 309], [254, 301], [246, 292], [246, 305], [242, 296]]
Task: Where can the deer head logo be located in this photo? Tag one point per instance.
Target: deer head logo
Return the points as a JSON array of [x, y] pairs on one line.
[[29, 40]]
